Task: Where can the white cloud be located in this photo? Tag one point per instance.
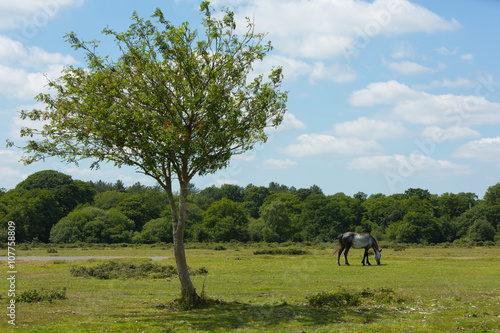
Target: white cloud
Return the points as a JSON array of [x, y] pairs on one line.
[[447, 83], [290, 123], [294, 68], [11, 176], [322, 144], [319, 29], [438, 134], [423, 108], [247, 157], [406, 166], [443, 50], [467, 57], [278, 164], [448, 110], [220, 182], [408, 68], [486, 149], [403, 50], [382, 93], [370, 129], [30, 15], [335, 73], [10, 157], [24, 70]]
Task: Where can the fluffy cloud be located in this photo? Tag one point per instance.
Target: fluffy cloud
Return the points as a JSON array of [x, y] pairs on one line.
[[467, 57], [390, 92], [295, 68], [408, 68], [321, 30], [486, 149], [443, 50], [438, 134], [10, 177], [24, 70], [403, 50], [278, 164], [290, 123], [29, 15], [423, 108], [322, 144], [370, 129], [406, 166], [447, 83]]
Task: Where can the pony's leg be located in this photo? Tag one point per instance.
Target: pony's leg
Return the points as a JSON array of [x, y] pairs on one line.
[[340, 252], [366, 255], [345, 255]]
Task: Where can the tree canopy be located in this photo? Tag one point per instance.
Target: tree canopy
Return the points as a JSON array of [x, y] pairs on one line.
[[175, 104]]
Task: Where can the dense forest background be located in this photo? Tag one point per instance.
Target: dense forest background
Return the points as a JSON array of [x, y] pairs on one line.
[[50, 206]]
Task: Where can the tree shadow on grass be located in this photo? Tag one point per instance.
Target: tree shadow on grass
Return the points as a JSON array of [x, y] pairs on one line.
[[235, 315]]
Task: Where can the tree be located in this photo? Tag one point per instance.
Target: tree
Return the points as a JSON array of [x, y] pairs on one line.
[[482, 230], [226, 220], [157, 230], [417, 227], [276, 222], [68, 192], [253, 198], [93, 225], [35, 212], [173, 105]]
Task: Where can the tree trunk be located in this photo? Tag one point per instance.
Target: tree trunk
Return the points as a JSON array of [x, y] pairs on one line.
[[179, 224]]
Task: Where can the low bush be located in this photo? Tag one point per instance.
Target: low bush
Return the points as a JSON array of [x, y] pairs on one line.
[[293, 252], [345, 297], [114, 270], [32, 296], [342, 297]]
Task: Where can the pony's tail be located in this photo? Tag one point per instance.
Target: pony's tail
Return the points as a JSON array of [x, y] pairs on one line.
[[339, 247]]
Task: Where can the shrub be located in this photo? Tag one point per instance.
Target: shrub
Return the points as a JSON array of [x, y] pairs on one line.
[[293, 252], [345, 297], [339, 298], [114, 270], [32, 296]]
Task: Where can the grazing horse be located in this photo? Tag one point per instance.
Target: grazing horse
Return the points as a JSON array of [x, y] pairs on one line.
[[358, 241]]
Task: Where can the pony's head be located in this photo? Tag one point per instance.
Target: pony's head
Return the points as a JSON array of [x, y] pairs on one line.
[[377, 256]]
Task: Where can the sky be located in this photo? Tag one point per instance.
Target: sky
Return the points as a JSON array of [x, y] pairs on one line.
[[384, 95]]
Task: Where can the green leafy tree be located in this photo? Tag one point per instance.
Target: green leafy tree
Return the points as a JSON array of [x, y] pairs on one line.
[[417, 192], [136, 210], [303, 193], [156, 230], [276, 222], [253, 198], [174, 105], [232, 192], [492, 200], [35, 212], [68, 192], [383, 210], [93, 225], [417, 227], [482, 230], [226, 220], [453, 205]]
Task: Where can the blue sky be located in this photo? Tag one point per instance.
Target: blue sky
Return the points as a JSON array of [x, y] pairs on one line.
[[384, 95]]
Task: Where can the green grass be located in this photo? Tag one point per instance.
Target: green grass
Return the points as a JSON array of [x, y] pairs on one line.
[[426, 289]]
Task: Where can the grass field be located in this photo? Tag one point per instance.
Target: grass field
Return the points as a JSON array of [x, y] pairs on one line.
[[443, 290]]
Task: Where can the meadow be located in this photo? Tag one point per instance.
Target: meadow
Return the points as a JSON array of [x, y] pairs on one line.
[[431, 289]]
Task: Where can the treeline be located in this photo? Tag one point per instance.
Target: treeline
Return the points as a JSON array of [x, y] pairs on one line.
[[50, 206]]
